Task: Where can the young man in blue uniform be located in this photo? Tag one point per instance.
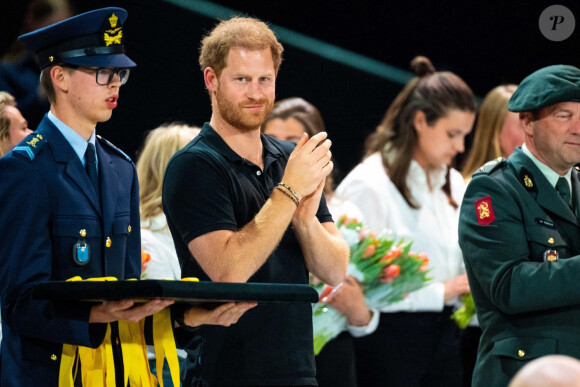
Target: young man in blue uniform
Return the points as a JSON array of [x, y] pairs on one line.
[[520, 234], [244, 207], [69, 203]]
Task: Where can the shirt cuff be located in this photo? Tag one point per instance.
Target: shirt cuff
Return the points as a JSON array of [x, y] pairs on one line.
[[360, 331]]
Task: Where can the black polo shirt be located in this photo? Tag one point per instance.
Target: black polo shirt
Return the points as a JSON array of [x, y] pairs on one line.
[[208, 187]]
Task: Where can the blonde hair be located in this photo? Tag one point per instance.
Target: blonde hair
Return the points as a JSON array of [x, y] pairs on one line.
[[240, 32], [490, 120], [5, 100], [160, 145]]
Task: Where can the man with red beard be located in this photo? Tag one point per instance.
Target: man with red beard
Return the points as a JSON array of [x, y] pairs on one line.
[[244, 207]]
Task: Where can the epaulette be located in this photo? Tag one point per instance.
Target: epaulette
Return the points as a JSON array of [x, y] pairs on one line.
[[490, 166], [30, 146], [110, 145]]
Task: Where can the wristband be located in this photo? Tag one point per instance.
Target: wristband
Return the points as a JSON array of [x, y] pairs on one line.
[[289, 196], [298, 197]]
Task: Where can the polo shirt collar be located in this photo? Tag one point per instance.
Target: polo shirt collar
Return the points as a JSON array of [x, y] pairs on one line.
[[209, 133]]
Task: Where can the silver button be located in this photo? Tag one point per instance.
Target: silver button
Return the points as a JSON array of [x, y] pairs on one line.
[[258, 173]]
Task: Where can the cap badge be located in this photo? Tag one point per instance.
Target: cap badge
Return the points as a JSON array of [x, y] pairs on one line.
[[113, 35], [113, 20]]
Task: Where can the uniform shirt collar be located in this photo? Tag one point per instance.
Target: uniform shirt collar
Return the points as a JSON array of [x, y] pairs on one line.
[[78, 143], [551, 175]]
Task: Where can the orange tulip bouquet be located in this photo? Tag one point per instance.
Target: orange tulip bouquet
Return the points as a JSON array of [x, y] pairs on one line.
[[386, 269]]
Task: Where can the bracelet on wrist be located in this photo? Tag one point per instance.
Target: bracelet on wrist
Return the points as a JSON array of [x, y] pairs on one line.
[[288, 195], [297, 196]]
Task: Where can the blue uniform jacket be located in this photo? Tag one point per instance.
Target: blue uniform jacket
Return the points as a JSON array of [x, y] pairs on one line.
[[47, 199]]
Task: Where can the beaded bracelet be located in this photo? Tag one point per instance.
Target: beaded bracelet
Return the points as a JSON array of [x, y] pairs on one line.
[[287, 194], [298, 197]]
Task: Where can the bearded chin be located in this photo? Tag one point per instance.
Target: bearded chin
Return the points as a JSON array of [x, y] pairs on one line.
[[236, 115]]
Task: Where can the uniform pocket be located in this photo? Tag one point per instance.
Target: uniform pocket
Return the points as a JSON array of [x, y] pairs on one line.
[[121, 224], [41, 352], [67, 231], [71, 226], [542, 238], [524, 348]]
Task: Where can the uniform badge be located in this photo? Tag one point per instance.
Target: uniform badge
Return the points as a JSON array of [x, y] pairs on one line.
[[484, 211], [113, 31], [34, 140], [528, 180], [550, 255], [81, 250]]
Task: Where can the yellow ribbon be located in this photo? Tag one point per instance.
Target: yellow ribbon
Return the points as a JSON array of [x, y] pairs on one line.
[[67, 362], [97, 364], [134, 348], [164, 342]]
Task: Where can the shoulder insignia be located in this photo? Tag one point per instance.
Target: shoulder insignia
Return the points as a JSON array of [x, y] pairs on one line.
[[110, 145], [30, 146], [490, 166], [484, 211]]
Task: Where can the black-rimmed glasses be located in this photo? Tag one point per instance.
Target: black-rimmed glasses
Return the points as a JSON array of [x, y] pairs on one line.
[[105, 75]]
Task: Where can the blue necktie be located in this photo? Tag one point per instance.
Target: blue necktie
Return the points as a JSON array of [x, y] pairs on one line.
[[91, 167]]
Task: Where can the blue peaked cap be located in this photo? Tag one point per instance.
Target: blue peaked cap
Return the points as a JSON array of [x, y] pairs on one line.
[[91, 39]]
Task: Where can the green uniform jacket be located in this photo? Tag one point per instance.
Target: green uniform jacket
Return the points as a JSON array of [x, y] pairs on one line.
[[521, 246]]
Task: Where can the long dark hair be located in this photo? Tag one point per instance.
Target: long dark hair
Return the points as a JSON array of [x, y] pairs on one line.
[[432, 92]]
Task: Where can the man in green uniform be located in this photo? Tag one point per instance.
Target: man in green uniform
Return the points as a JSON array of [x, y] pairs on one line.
[[520, 233]]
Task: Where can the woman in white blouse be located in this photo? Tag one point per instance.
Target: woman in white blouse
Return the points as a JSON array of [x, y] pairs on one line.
[[404, 186]]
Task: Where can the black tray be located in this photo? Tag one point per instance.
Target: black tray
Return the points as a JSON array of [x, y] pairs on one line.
[[180, 291]]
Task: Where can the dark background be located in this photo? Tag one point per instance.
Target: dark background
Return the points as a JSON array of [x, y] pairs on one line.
[[487, 43]]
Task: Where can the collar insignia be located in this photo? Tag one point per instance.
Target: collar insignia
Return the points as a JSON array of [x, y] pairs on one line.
[[528, 180]]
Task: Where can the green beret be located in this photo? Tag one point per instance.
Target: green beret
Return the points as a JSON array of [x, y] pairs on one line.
[[546, 87]]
